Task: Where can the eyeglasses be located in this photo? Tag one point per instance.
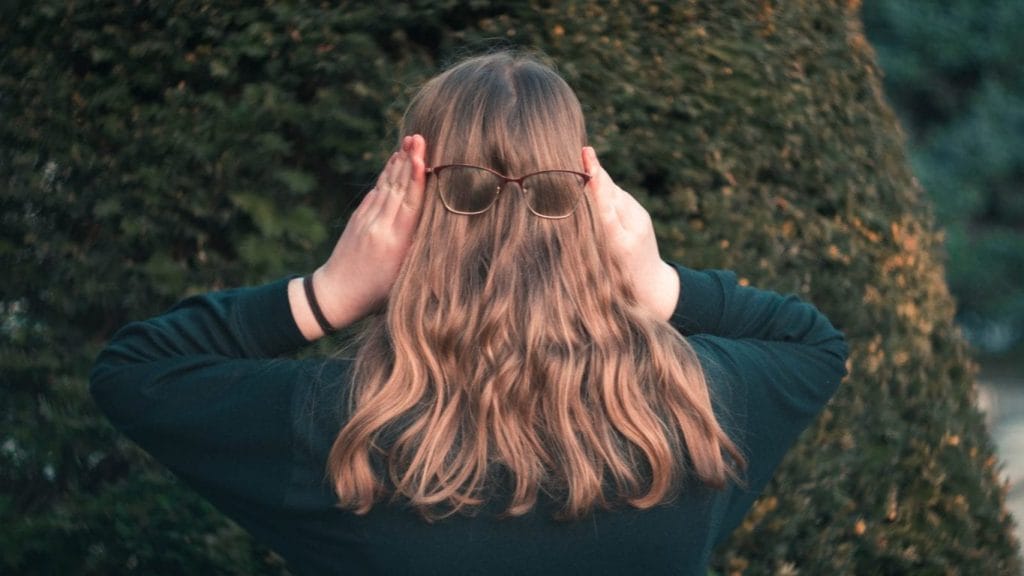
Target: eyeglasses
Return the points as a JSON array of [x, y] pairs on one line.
[[468, 189]]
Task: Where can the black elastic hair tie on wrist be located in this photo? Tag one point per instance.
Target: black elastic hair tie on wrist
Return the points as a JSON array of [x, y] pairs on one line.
[[307, 283]]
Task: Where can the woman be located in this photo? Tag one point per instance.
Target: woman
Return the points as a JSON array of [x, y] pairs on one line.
[[536, 391]]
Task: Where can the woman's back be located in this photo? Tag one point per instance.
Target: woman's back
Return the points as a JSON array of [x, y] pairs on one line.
[[538, 392], [201, 389]]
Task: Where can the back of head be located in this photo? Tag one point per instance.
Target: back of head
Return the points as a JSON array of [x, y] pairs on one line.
[[512, 346]]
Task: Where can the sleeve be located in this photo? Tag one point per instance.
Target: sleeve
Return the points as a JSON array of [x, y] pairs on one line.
[[772, 361], [201, 390]]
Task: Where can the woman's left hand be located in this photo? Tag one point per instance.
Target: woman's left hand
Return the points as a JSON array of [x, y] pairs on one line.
[[361, 270], [629, 232]]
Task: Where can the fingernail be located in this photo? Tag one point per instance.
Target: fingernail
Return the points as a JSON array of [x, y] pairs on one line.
[[406, 143]]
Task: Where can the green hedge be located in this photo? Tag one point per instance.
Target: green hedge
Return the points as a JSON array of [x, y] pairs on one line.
[[152, 151]]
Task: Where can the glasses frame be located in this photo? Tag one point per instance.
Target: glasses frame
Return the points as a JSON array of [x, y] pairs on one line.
[[504, 181]]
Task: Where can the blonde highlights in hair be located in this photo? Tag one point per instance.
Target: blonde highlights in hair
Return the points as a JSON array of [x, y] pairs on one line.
[[512, 346]]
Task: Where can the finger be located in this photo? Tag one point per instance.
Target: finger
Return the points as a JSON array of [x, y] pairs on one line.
[[387, 175], [418, 181], [398, 186], [377, 197], [408, 215], [602, 188], [366, 203], [403, 168]]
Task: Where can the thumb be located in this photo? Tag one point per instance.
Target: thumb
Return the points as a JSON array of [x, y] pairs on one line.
[[601, 186], [590, 164]]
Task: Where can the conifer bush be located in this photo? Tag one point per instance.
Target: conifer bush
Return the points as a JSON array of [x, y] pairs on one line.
[[153, 150]]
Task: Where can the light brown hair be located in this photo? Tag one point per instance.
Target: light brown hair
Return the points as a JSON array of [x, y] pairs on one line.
[[512, 346]]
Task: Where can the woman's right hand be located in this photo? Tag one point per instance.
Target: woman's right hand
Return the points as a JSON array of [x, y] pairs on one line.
[[364, 265], [629, 234]]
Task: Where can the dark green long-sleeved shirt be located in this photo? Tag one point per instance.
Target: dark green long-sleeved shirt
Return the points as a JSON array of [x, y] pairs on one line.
[[205, 390]]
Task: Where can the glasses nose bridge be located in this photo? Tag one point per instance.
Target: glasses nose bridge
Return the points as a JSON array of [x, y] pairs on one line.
[[505, 181]]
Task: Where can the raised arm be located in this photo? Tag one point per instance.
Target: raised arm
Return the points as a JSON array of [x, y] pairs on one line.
[[700, 302], [773, 362], [201, 387], [365, 262], [712, 302], [201, 390]]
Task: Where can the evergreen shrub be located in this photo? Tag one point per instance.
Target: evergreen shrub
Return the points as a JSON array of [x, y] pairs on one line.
[[153, 150]]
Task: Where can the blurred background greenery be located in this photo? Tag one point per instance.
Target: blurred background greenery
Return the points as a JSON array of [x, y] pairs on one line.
[[153, 150], [955, 76]]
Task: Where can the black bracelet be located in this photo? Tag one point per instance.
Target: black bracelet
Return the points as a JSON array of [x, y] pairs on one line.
[[307, 283]]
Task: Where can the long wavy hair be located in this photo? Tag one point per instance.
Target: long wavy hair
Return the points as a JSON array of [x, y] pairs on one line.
[[513, 357]]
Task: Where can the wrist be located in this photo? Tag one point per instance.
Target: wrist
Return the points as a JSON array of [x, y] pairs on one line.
[[328, 296], [337, 304], [346, 296], [314, 305], [301, 311], [659, 292]]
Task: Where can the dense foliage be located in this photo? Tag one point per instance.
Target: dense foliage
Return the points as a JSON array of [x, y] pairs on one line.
[[152, 150], [953, 73]]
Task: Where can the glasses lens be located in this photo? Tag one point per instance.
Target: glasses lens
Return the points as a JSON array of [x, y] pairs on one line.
[[467, 190], [554, 194]]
